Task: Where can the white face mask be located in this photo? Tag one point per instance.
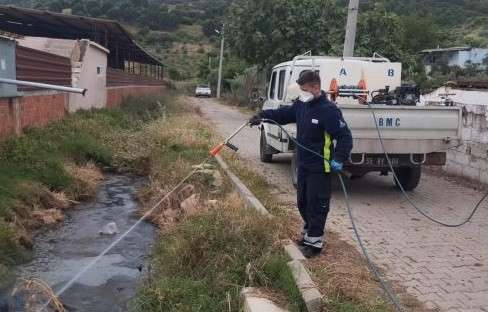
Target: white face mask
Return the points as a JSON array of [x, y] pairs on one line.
[[306, 97]]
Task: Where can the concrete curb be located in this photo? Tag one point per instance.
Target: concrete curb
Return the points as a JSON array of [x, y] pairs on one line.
[[294, 252], [255, 302], [309, 291], [246, 194]]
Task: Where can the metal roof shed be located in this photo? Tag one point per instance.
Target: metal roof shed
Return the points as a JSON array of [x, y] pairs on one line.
[[108, 33]]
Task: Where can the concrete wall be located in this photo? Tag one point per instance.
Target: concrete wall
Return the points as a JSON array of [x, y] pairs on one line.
[[461, 97], [90, 73], [474, 55], [471, 159]]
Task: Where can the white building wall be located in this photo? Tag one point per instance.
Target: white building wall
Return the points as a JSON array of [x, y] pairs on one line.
[[469, 160], [89, 68], [90, 73], [474, 55]]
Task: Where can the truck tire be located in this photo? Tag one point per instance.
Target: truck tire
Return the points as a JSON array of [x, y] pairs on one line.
[[264, 149], [294, 170], [409, 177]]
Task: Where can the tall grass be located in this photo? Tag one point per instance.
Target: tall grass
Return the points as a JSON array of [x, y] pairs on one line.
[[203, 263], [200, 264], [39, 158]]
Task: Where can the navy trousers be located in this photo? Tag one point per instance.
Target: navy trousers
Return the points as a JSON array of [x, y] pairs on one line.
[[313, 198]]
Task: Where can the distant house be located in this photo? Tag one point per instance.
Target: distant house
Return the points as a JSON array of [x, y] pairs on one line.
[[455, 56]]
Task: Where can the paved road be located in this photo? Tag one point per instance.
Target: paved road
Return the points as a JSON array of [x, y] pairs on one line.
[[444, 268]]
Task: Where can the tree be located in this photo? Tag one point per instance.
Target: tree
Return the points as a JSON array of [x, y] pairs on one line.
[[419, 33], [379, 31], [272, 31], [209, 26]]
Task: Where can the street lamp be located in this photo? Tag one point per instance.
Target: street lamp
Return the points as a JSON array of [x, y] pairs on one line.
[[219, 83]]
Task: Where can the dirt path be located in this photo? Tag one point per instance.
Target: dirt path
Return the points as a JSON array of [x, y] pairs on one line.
[[443, 268]]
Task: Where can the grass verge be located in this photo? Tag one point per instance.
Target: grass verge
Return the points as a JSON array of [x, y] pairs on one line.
[[204, 260], [202, 263], [341, 273]]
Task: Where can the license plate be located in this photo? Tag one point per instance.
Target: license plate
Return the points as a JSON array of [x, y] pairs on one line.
[[381, 161]]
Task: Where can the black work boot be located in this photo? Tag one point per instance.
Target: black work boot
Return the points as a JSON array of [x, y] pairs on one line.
[[310, 251], [300, 242]]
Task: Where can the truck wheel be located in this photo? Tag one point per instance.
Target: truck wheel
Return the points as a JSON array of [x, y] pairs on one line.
[[409, 177], [294, 170], [264, 149]]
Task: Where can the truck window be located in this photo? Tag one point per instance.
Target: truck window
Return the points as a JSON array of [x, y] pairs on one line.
[[272, 86], [281, 84]]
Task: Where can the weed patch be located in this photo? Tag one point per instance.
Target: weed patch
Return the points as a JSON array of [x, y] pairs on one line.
[[202, 263], [205, 259]]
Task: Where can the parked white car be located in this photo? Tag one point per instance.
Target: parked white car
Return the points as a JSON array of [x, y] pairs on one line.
[[203, 90]]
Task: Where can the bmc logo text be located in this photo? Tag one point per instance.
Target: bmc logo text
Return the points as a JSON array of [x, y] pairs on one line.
[[388, 122]]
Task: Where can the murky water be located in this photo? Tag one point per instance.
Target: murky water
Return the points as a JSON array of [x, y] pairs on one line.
[[60, 253]]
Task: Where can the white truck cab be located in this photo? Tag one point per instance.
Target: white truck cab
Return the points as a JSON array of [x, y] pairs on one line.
[[413, 135]]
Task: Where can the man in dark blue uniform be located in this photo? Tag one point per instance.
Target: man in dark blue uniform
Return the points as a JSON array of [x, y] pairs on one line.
[[319, 123]]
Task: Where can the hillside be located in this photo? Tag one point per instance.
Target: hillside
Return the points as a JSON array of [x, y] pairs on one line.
[[465, 21], [179, 32], [448, 13], [182, 32]]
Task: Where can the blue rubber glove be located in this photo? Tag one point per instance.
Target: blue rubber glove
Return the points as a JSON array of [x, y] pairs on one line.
[[336, 166]]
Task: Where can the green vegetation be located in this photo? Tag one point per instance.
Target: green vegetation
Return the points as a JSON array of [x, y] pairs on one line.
[[340, 305], [395, 29], [38, 165], [202, 263], [269, 32], [264, 33], [180, 32], [199, 264], [257, 184]]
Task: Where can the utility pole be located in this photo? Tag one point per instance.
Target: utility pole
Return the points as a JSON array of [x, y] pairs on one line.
[[352, 21], [219, 83]]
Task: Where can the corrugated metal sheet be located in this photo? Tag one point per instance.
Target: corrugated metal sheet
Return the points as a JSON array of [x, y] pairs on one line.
[[108, 33], [7, 66], [38, 66], [116, 78]]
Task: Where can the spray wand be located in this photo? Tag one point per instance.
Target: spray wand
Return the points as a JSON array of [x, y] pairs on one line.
[[217, 149]]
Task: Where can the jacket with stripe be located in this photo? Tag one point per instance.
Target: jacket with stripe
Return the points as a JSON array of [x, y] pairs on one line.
[[319, 123]]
